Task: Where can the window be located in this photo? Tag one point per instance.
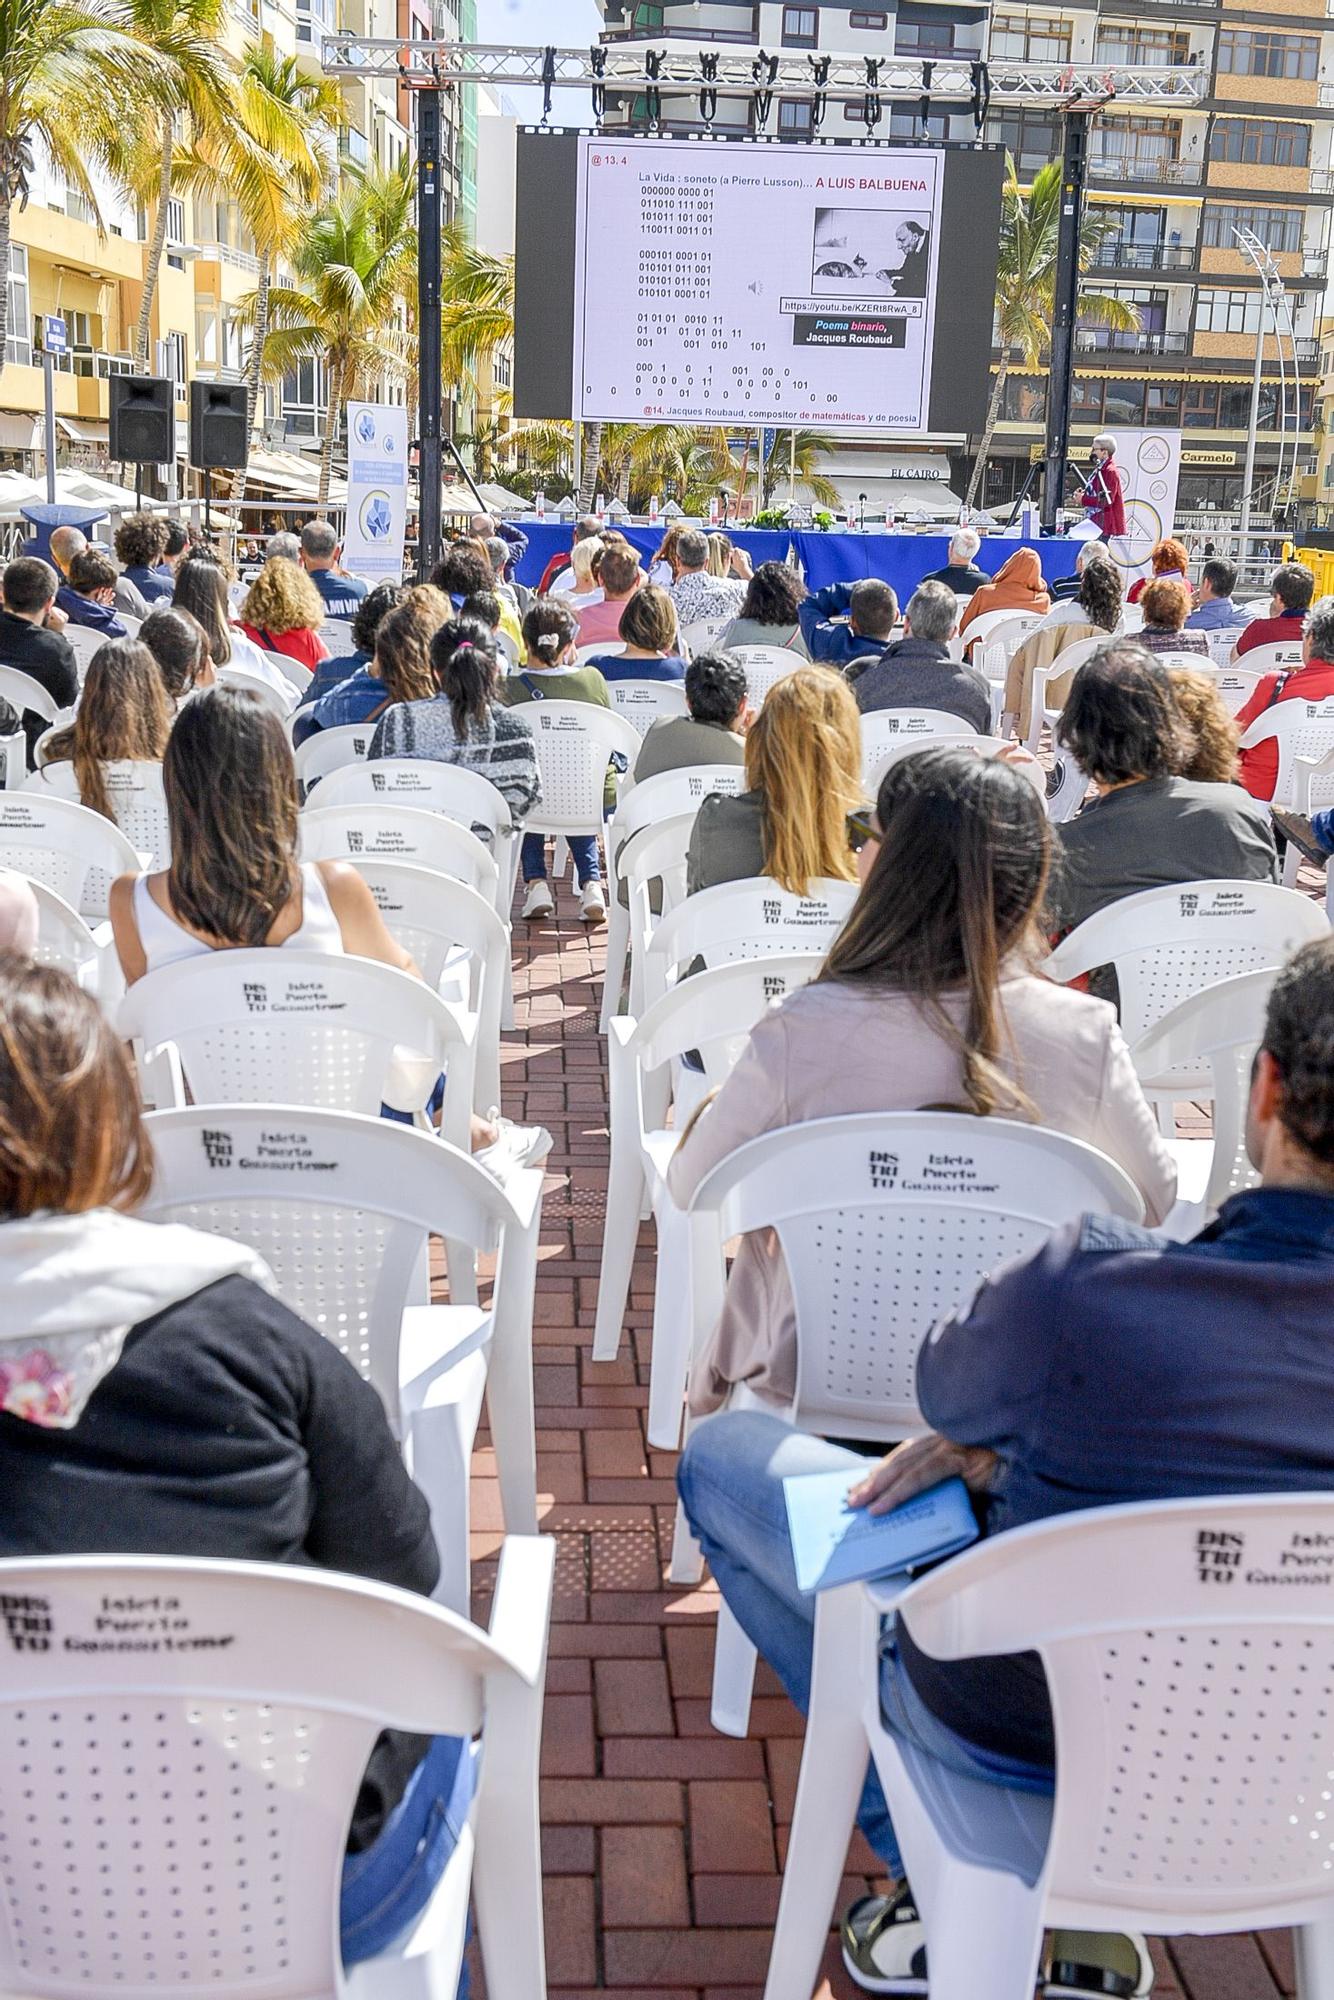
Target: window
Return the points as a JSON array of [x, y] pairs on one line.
[[176, 358], [1279, 229], [1143, 140], [1133, 235], [1258, 52], [1152, 309], [18, 341], [1199, 408], [801, 28], [175, 221], [1261, 142], [1032, 137], [1123, 400], [1163, 404], [1127, 42], [1228, 312], [906, 124], [1086, 400], [869, 24], [795, 118], [1025, 400], [922, 30], [1016, 38]]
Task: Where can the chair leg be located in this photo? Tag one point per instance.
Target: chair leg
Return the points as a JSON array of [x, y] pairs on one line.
[[1292, 861], [671, 1326], [983, 1932], [440, 1451], [618, 950], [734, 1659], [625, 1194], [1313, 1945], [687, 1564]]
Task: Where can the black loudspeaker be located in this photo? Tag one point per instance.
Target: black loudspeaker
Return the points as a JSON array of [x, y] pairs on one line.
[[217, 426], [143, 419]]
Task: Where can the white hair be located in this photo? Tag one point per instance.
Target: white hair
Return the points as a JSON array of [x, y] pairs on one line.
[[1093, 551], [581, 558], [964, 544]]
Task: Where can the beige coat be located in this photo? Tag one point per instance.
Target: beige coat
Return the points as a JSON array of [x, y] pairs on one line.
[[831, 1049], [1040, 649]]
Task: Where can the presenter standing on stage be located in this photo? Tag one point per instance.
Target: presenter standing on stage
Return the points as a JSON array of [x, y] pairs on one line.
[[1103, 497]]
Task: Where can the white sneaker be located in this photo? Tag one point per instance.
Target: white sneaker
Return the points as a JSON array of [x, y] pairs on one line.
[[592, 904], [538, 902], [884, 1944], [514, 1146]]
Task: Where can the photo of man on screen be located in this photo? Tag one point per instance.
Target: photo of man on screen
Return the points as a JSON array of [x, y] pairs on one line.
[[908, 281]]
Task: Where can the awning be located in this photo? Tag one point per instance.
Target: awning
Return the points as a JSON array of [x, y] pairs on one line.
[[19, 431], [84, 430], [902, 497], [290, 476]]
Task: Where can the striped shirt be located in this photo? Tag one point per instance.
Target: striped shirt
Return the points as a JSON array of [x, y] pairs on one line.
[[500, 749]]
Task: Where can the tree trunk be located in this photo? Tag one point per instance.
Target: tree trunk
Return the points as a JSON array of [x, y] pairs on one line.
[[155, 249], [588, 473], [330, 433], [993, 418], [6, 210], [254, 380]]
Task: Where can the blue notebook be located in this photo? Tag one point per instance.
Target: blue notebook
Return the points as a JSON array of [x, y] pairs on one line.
[[834, 1543]]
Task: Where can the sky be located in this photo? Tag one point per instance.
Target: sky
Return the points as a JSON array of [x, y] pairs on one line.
[[571, 24]]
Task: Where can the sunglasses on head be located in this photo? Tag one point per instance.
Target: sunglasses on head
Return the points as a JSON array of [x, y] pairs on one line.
[[862, 829]]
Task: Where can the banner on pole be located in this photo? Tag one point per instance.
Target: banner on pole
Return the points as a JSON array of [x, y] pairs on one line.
[[377, 490], [1150, 464]]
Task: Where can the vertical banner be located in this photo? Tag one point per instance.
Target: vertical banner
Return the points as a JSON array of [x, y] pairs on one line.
[[1150, 463], [377, 490]]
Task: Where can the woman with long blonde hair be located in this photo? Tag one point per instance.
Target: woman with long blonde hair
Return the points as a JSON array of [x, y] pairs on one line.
[[283, 612], [803, 778], [123, 718]]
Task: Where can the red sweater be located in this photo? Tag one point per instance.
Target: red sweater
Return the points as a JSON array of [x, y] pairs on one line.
[[298, 644], [1259, 767], [1285, 630]]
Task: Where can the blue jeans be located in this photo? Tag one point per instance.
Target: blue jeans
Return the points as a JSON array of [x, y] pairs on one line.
[[388, 1885], [730, 1479], [583, 846]]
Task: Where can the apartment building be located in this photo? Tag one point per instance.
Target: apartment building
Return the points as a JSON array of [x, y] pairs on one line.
[[1172, 183], [90, 274]]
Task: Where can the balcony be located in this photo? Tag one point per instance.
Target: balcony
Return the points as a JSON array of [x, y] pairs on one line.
[[1170, 173], [1307, 347], [93, 364], [933, 52], [1104, 340], [1315, 263], [1145, 256], [1322, 180], [693, 33]]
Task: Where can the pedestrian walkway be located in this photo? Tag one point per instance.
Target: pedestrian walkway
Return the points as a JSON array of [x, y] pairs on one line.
[[662, 1841]]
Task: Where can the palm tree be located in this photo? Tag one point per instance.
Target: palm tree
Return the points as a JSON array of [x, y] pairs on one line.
[[180, 39], [69, 72], [352, 264], [273, 159], [796, 457], [477, 290], [1026, 286]]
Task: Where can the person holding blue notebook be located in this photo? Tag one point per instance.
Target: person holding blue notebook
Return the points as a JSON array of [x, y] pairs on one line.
[[1107, 1366]]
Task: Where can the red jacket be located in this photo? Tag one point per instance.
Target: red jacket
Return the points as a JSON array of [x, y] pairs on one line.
[[1104, 499], [1259, 767], [1285, 630], [298, 644]]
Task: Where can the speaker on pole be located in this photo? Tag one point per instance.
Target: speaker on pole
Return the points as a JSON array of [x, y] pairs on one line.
[[142, 429], [218, 440]]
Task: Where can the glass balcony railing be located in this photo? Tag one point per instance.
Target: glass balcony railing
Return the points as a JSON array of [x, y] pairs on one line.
[[1117, 166], [1122, 256], [1105, 340]]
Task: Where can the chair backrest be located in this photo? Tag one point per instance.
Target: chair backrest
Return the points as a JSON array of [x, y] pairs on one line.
[[290, 1027], [608, 649], [459, 794], [330, 749], [888, 1222], [63, 844], [701, 635], [1235, 685], [883, 728], [995, 637], [1132, 618], [22, 692], [339, 1207], [83, 642], [506, 646], [714, 1012], [670, 793], [1168, 945], [1192, 1720], [575, 741], [1219, 1029], [396, 833], [764, 665], [439, 920], [63, 937], [642, 702], [297, 675], [1197, 662], [1073, 657], [985, 746], [745, 919], [238, 677], [1267, 659], [1299, 729], [182, 1745], [134, 788]]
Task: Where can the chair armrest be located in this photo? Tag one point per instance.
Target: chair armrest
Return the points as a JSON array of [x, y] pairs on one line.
[[521, 1610]]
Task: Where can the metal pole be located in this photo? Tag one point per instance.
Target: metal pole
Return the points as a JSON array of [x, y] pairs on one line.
[[1248, 476], [173, 463], [428, 329], [49, 388], [1060, 385]]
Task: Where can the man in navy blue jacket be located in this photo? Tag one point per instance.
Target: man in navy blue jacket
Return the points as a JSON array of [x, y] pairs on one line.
[[846, 620]]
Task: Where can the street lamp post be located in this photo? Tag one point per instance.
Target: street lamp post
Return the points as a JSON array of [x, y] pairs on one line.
[[1272, 296]]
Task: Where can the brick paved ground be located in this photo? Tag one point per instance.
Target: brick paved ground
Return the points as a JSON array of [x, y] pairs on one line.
[[662, 1841]]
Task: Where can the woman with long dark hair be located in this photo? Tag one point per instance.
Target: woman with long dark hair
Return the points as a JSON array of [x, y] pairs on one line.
[[179, 644], [930, 996], [123, 720], [768, 614], [462, 721], [201, 589]]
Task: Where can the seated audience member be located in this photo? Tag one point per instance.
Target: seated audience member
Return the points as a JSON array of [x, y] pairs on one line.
[[700, 597], [173, 1406], [944, 1003], [140, 544], [1096, 608], [175, 549], [550, 674], [769, 611], [558, 576], [284, 544], [340, 592], [845, 620], [1214, 609], [621, 577], [1147, 827], [1017, 586], [374, 606], [28, 590], [88, 597], [1038, 1424], [1068, 586], [123, 719], [712, 733], [961, 574], [1166, 559], [1291, 587], [201, 589], [725, 558], [179, 644], [486, 528], [1213, 729], [586, 564], [803, 777], [651, 640], [663, 565], [1165, 603], [464, 721], [463, 572], [399, 672], [283, 612], [1313, 680], [20, 918], [512, 595], [917, 671]]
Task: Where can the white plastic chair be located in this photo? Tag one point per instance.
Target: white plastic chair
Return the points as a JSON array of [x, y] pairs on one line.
[[1312, 791], [884, 729], [1192, 1745], [608, 649], [397, 833], [329, 750], [984, 746], [1217, 1031], [744, 920], [23, 693], [1303, 734], [995, 638], [1234, 685], [65, 939], [764, 665], [134, 787], [575, 742], [65, 845], [238, 677], [713, 1014], [1132, 618], [1197, 662], [341, 1208], [703, 634], [1270, 659], [506, 646], [297, 676], [1068, 662], [189, 1807], [642, 702]]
